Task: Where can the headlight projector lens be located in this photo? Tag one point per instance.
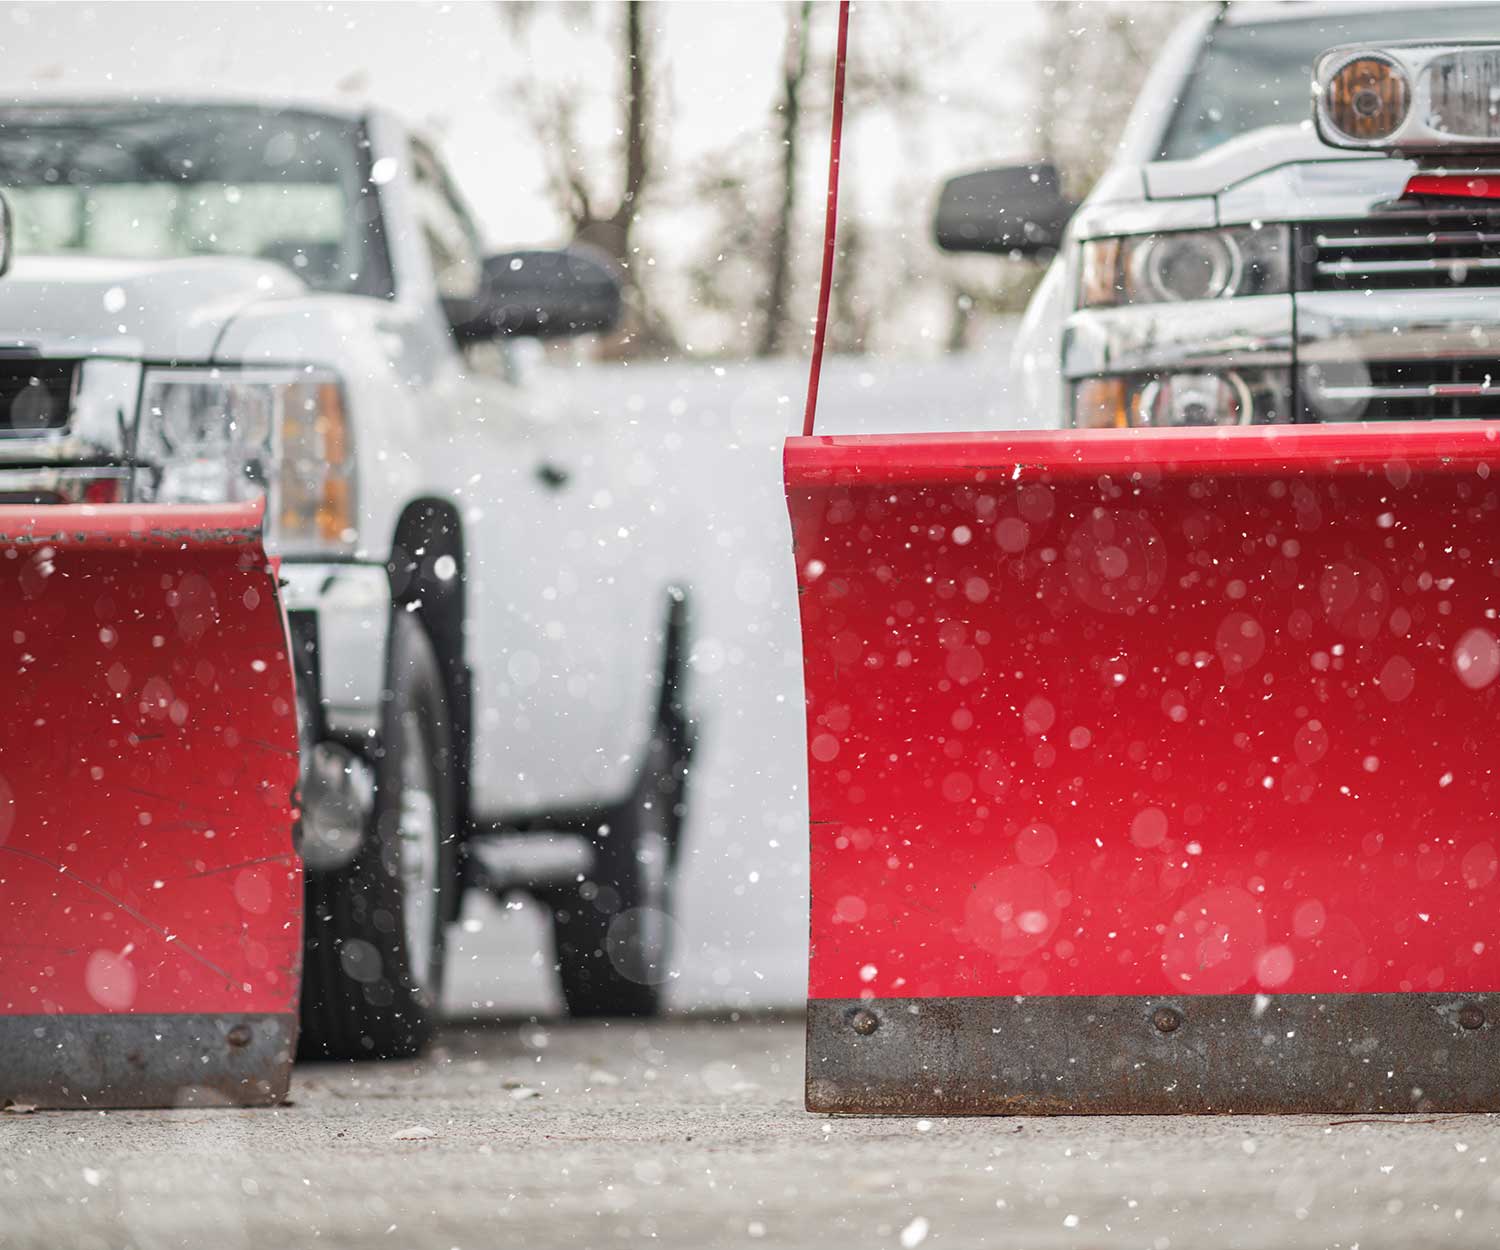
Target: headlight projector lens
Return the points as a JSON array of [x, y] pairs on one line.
[[1196, 264], [1196, 399]]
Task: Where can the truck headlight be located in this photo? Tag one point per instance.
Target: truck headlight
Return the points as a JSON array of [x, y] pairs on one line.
[[224, 435], [1186, 265], [1188, 397]]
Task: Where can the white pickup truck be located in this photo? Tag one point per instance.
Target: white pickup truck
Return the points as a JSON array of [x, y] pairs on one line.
[[220, 301], [1232, 266]]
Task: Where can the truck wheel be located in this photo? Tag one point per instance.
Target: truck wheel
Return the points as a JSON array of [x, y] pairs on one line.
[[612, 930], [375, 931]]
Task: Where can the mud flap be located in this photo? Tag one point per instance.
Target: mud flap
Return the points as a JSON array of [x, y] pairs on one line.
[[150, 892], [1153, 771]]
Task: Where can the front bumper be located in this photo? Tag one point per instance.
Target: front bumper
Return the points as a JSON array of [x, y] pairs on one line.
[[339, 616], [342, 611]]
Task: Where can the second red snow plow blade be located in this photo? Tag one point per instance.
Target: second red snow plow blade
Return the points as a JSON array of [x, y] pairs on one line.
[[1153, 771], [151, 894]]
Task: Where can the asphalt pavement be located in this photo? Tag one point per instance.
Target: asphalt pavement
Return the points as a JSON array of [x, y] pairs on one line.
[[690, 1133]]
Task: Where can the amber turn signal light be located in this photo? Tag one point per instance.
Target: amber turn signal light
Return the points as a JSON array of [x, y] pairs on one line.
[[1102, 404], [1366, 99]]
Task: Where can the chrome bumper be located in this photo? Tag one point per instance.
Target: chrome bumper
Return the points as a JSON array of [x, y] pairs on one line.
[[1311, 327], [1220, 334], [71, 484], [1328, 336], [1397, 325]]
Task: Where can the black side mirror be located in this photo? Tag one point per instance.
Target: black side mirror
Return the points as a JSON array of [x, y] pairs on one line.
[[1015, 208], [542, 294], [7, 235]]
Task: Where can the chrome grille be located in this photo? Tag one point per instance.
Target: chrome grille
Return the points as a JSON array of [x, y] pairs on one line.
[[35, 395], [1403, 390], [1441, 251]]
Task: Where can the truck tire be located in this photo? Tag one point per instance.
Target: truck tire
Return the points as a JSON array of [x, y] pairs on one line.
[[375, 931]]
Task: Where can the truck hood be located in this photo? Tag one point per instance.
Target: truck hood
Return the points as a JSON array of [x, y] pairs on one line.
[[1244, 157], [1279, 173], [1276, 173], [133, 309]]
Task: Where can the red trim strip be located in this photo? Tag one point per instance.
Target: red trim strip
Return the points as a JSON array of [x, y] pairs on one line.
[[113, 524], [999, 456], [1454, 186]]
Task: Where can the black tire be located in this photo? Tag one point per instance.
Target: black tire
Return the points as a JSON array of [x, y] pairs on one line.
[[612, 931], [360, 999]]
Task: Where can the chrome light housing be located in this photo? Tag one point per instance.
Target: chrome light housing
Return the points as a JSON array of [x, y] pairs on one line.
[[1184, 398], [225, 435], [1411, 97], [1183, 265]]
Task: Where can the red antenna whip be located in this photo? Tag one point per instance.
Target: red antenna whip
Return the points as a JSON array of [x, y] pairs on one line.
[[830, 222]]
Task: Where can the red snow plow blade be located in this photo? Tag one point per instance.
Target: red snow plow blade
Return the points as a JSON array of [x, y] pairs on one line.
[[148, 757], [1153, 771]]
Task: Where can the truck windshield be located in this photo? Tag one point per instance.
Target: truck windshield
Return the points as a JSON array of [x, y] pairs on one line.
[[172, 181], [1257, 73]]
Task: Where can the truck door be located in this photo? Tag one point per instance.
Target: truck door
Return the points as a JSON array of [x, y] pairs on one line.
[[549, 607]]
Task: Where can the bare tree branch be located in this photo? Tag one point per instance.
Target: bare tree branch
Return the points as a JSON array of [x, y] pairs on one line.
[[606, 220]]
